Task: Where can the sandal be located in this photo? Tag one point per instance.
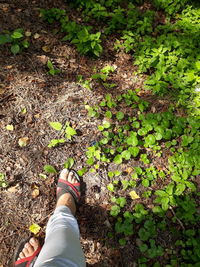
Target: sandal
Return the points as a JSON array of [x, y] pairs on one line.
[[25, 262], [74, 189]]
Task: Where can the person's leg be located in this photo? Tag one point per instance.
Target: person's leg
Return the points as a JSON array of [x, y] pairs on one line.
[[62, 245]]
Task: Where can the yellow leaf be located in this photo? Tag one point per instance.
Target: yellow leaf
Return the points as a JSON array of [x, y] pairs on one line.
[[27, 34], [9, 127], [23, 111], [34, 228], [35, 192], [134, 195], [46, 49], [36, 36], [23, 141]]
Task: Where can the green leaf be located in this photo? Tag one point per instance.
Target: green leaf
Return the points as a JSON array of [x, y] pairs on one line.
[[50, 65], [108, 114], [122, 241], [118, 159], [126, 154], [120, 115], [55, 142], [165, 202], [69, 163], [56, 125], [70, 132], [145, 182], [5, 38], [134, 151], [161, 193], [16, 35], [50, 169], [157, 209], [15, 49], [115, 210], [106, 124], [132, 140], [34, 228], [90, 161], [3, 182], [180, 188], [150, 139], [121, 201], [82, 171]]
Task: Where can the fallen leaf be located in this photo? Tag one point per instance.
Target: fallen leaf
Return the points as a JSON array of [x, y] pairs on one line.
[[134, 195], [27, 34], [35, 191], [23, 141], [9, 127], [42, 175], [46, 49], [129, 170], [23, 111], [36, 36], [34, 228], [37, 116], [13, 189], [2, 91], [8, 67], [43, 59]]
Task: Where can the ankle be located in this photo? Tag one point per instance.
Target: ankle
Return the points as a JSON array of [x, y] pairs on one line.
[[68, 201]]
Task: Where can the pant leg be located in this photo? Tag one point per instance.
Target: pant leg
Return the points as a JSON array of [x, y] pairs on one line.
[[62, 246]]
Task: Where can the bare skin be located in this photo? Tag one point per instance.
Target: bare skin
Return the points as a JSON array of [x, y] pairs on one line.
[[65, 200]]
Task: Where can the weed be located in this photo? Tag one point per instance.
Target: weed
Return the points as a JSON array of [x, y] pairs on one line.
[[16, 39]]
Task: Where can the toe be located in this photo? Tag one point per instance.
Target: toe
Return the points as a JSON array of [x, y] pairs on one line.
[[25, 252], [29, 247], [71, 178], [63, 174], [35, 243], [21, 255]]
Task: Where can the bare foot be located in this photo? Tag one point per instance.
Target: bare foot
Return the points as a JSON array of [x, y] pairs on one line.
[[29, 248], [67, 199]]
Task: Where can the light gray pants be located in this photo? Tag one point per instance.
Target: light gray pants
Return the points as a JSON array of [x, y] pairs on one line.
[[62, 246]]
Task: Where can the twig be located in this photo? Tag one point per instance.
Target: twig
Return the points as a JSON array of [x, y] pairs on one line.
[[181, 224]]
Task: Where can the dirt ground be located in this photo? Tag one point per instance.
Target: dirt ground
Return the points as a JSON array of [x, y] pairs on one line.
[[25, 84]]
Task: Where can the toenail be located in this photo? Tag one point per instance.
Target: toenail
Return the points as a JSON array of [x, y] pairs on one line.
[[65, 171], [32, 240]]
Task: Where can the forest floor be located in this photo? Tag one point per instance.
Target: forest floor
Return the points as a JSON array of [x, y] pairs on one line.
[[25, 84]]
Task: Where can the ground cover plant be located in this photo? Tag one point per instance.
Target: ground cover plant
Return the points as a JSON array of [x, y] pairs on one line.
[[17, 40], [140, 138], [111, 89]]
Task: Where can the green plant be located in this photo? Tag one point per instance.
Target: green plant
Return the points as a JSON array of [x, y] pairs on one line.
[[52, 71], [17, 40], [49, 169], [3, 182], [65, 130], [80, 36], [69, 163]]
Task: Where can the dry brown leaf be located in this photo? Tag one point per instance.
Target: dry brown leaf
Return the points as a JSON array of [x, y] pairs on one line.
[[13, 189], [23, 141], [8, 67], [129, 170], [43, 59]]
